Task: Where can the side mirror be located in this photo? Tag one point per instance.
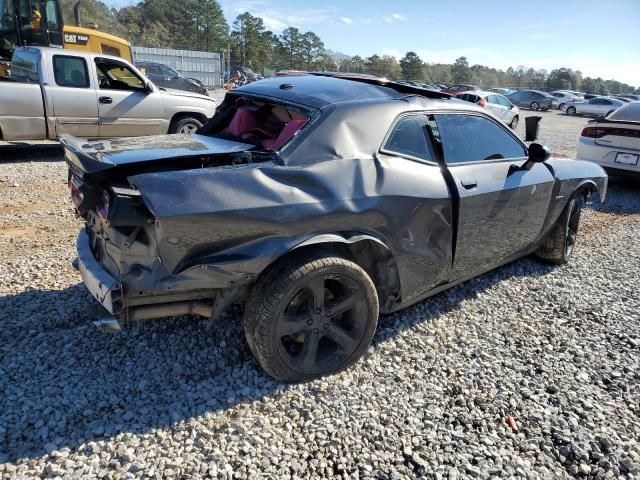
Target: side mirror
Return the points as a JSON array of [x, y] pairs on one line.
[[148, 88], [538, 153]]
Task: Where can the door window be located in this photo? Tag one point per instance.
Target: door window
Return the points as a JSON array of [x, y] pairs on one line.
[[493, 99], [472, 138], [52, 15], [408, 138], [503, 101], [70, 71], [117, 76], [24, 67], [169, 72]]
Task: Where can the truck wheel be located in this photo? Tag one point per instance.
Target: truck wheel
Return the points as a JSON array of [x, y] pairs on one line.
[[557, 246], [187, 125], [310, 317]]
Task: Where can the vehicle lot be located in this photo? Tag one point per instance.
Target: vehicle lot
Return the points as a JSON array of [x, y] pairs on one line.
[[557, 349]]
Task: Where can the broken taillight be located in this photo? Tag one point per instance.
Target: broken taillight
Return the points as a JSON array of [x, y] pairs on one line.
[[77, 196]]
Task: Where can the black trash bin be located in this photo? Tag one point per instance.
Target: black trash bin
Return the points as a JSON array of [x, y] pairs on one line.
[[531, 128]]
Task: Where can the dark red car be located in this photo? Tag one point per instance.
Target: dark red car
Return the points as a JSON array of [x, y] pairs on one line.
[[459, 88]]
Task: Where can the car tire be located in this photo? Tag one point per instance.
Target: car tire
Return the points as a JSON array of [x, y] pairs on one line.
[[558, 244], [311, 316], [514, 122], [186, 125], [571, 111], [534, 106], [560, 106]]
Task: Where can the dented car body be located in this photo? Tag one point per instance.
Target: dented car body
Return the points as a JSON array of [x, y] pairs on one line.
[[417, 190]]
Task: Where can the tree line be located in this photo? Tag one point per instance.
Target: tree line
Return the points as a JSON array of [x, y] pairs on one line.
[[201, 25]]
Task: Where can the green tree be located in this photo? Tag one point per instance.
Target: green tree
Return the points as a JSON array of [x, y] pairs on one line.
[[248, 38], [386, 66], [412, 67], [311, 48], [291, 40], [461, 71]]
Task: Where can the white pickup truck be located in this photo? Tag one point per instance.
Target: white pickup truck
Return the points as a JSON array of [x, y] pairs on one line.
[[51, 92]]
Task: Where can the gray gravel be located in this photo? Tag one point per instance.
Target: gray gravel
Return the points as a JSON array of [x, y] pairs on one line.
[[556, 349]]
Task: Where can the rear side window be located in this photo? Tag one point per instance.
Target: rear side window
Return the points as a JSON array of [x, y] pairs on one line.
[[471, 138], [24, 67], [70, 71], [409, 138]]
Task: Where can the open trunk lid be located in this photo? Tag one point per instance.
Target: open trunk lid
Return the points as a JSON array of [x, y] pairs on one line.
[[121, 157]]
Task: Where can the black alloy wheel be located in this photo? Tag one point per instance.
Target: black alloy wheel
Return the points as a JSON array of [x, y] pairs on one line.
[[535, 106], [311, 318]]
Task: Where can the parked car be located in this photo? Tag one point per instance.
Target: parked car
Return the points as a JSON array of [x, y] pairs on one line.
[[589, 96], [501, 91], [533, 99], [431, 192], [166, 77], [599, 106], [613, 142], [564, 97], [632, 96], [622, 98], [53, 92], [497, 104], [459, 88]]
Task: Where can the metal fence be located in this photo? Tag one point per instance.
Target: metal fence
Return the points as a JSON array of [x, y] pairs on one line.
[[204, 66]]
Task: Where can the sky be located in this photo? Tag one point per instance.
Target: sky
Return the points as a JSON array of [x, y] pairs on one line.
[[601, 39]]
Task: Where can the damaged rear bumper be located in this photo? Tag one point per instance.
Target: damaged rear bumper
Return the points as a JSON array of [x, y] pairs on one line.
[[106, 289]]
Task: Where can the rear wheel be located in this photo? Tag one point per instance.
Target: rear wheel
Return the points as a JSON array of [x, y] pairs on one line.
[[571, 111], [534, 106], [187, 125], [560, 106], [558, 245], [310, 317], [514, 122]]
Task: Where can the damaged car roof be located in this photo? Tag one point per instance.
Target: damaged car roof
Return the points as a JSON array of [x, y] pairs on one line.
[[324, 89]]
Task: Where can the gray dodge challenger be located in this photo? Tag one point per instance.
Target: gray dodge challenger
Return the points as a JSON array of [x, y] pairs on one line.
[[316, 203]]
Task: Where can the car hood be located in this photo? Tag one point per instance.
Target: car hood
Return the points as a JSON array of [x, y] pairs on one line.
[[183, 93], [147, 153]]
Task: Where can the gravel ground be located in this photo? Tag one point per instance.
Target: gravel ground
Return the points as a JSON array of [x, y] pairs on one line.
[[555, 349]]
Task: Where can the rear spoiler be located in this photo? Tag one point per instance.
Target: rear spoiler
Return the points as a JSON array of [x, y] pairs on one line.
[[383, 82]]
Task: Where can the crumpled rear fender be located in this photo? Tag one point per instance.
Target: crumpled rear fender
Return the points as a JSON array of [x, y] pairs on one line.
[[228, 224]]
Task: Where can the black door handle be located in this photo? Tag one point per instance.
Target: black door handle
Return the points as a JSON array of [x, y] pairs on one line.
[[469, 183], [105, 100]]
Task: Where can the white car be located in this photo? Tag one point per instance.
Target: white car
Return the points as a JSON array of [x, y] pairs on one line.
[[599, 106], [614, 141], [497, 104], [565, 96]]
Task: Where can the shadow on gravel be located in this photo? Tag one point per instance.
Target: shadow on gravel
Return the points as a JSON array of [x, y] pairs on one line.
[[623, 196], [65, 384], [17, 152]]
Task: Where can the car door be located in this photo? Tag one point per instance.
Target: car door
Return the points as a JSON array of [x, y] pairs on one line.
[[519, 98], [126, 106], [501, 206], [591, 107], [493, 105], [73, 97], [508, 109]]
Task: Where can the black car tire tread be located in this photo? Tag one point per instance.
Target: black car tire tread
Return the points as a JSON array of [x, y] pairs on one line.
[[552, 249], [263, 302], [177, 125]]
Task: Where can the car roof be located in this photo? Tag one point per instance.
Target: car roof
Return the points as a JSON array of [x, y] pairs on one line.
[[320, 90]]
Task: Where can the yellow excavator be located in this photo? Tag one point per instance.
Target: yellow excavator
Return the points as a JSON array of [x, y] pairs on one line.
[[40, 23]]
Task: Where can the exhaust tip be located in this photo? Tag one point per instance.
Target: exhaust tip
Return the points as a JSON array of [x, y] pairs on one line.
[[102, 319], [107, 325]]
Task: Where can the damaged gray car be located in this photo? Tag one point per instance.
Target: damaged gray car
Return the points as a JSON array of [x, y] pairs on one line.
[[316, 204]]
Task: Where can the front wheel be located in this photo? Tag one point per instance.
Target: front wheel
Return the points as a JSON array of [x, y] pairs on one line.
[[534, 106], [558, 245], [571, 111], [560, 106], [514, 122], [311, 316], [185, 125]]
